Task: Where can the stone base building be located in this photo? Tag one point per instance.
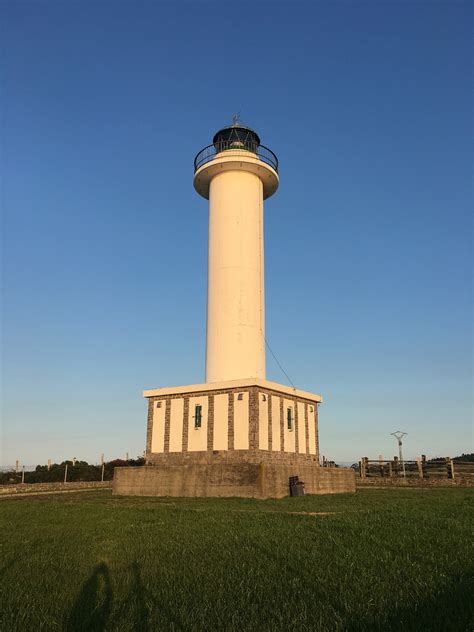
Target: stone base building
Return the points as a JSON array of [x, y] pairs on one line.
[[235, 438]]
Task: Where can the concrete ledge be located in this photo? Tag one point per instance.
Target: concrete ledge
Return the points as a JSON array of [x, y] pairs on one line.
[[210, 387], [248, 480], [378, 483], [45, 488], [236, 160]]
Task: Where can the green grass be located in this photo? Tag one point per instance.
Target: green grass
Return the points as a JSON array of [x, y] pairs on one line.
[[384, 560]]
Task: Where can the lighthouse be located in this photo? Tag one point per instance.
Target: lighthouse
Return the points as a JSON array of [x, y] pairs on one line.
[[237, 433], [236, 174]]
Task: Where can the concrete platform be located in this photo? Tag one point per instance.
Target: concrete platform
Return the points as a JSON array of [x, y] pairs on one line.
[[248, 480]]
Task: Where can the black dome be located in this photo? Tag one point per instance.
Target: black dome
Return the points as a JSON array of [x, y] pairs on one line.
[[236, 137]]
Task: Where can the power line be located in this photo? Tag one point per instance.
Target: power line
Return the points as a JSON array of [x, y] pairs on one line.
[[276, 360]]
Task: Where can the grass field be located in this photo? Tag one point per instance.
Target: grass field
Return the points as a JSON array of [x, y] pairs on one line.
[[375, 560]]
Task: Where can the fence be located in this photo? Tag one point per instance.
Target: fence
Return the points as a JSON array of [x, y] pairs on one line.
[[65, 472], [446, 468]]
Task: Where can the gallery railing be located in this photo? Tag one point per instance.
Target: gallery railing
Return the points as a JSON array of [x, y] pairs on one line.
[[210, 152]]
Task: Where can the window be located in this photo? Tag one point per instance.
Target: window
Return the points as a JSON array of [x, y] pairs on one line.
[[158, 404], [311, 409], [289, 418], [197, 416], [264, 398], [240, 396]]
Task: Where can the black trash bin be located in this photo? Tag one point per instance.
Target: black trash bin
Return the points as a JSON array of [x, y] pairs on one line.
[[296, 486]]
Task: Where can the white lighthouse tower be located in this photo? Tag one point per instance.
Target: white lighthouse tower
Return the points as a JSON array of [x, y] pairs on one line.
[[236, 174], [237, 434]]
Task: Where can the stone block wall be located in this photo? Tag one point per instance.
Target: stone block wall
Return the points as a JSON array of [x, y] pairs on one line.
[[36, 488], [243, 428]]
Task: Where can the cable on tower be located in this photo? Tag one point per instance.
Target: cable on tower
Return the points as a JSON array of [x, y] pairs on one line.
[[276, 360]]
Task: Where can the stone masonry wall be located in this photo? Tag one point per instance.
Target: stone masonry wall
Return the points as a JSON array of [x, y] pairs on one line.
[[27, 488], [413, 482], [300, 425]]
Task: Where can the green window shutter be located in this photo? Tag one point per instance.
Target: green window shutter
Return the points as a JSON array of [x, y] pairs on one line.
[[197, 416]]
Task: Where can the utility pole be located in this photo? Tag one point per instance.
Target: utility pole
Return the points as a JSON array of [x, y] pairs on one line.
[[399, 436]]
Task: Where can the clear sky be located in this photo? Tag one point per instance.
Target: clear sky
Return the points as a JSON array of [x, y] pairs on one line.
[[368, 240]]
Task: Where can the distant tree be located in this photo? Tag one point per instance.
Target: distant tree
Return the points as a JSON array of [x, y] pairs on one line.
[[465, 457], [81, 471], [10, 476]]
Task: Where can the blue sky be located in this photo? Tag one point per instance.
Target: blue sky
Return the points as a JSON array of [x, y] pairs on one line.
[[368, 240]]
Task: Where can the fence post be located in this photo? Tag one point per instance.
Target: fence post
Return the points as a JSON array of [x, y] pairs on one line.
[[365, 466], [449, 467], [381, 467], [396, 466], [390, 473], [420, 467], [103, 467], [23, 474], [65, 473], [423, 466]]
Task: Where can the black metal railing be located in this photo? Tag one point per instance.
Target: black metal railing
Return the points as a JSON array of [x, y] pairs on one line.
[[210, 152]]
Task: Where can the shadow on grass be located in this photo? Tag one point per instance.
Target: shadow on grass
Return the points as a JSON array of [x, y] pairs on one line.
[[6, 567], [92, 607], [144, 602], [141, 596], [450, 609]]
